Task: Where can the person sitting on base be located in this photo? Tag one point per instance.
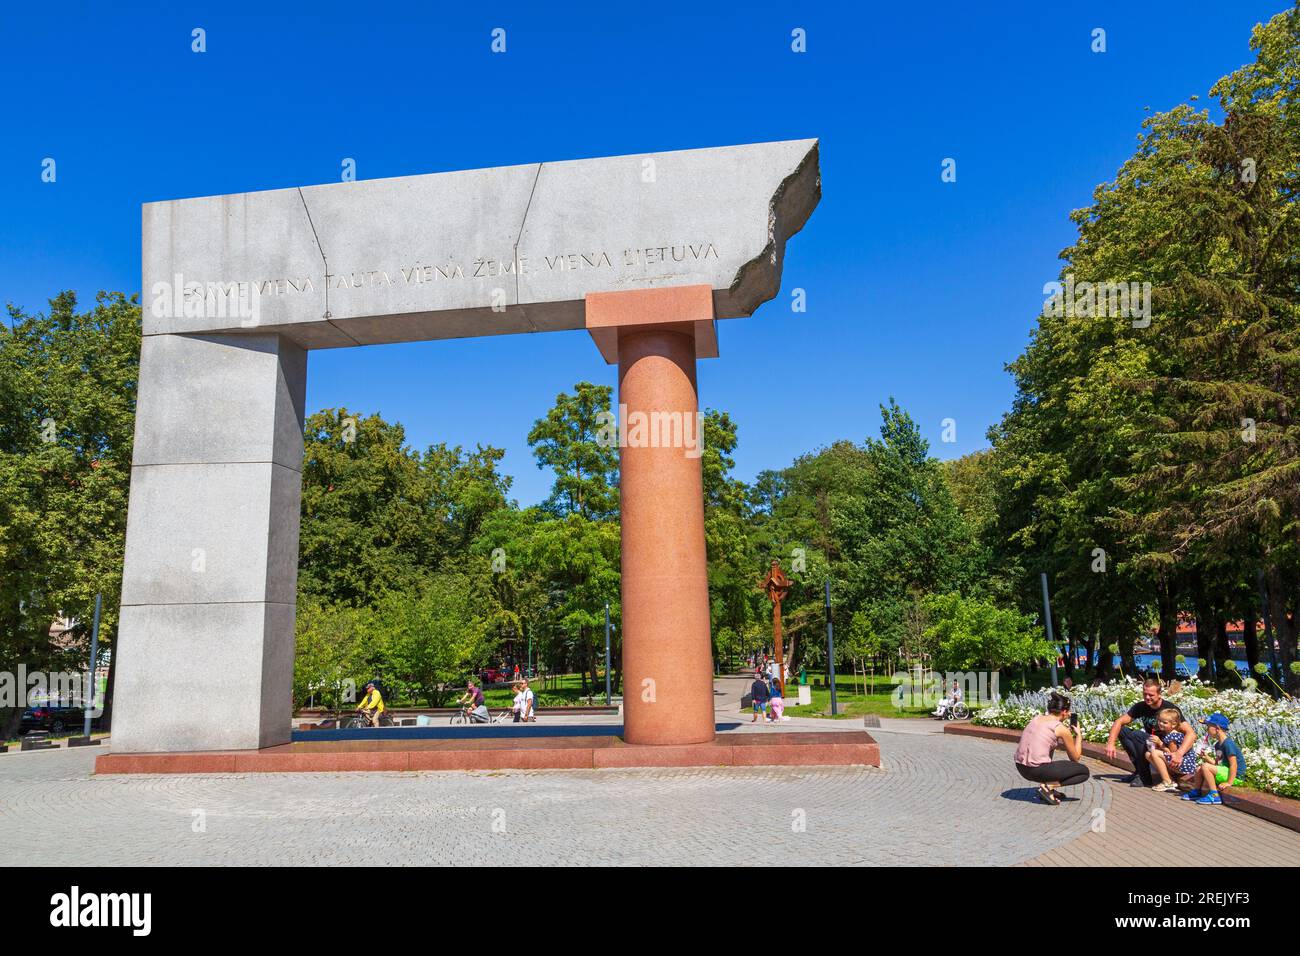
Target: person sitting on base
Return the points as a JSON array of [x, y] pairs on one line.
[[372, 705], [1165, 742], [1041, 736], [1136, 740], [1224, 766]]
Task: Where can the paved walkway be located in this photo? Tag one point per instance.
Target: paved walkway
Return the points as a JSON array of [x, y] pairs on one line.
[[1141, 825], [939, 799]]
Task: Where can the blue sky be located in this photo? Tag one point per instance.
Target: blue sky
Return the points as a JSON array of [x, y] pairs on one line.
[[916, 288]]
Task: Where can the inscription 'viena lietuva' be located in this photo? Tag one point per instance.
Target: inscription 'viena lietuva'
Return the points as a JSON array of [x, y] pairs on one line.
[[483, 267]]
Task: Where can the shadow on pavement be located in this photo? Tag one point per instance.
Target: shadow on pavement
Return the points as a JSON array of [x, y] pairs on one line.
[[1030, 795]]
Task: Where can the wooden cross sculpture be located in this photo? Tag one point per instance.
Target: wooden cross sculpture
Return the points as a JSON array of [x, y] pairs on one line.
[[776, 585]]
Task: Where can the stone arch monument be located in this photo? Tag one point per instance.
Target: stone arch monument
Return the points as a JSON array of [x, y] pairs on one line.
[[645, 252]]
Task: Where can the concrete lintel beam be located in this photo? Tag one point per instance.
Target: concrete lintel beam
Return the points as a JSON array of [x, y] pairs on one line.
[[479, 252]]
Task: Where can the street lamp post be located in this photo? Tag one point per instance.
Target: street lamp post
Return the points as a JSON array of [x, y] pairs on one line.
[[94, 653], [830, 648], [607, 687], [1047, 611]]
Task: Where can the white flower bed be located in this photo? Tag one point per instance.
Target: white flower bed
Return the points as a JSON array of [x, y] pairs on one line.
[[1267, 730], [1273, 770]]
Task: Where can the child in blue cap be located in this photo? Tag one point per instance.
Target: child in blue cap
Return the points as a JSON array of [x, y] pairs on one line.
[[1223, 767]]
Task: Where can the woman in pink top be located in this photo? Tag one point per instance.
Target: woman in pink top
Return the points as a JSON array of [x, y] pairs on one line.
[[1041, 736]]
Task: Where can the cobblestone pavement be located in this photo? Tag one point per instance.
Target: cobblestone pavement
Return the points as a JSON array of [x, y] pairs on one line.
[[1141, 826], [939, 799]]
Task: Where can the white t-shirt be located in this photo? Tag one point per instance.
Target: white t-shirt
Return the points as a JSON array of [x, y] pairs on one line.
[[525, 700], [519, 702]]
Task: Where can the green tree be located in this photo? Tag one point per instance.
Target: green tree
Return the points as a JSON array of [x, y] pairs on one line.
[[465, 488], [433, 638], [366, 525], [331, 646], [579, 558], [514, 585], [1161, 446], [577, 550], [734, 568], [1220, 462], [67, 406], [901, 536], [568, 441], [971, 633]]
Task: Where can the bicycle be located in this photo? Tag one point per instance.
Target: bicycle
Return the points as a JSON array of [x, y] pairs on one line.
[[500, 717], [361, 722]]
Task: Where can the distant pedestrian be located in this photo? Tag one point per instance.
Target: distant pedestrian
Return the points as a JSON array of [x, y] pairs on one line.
[[529, 708], [775, 703], [758, 696]]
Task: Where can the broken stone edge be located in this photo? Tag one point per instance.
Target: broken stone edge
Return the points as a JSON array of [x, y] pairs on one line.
[[759, 280]]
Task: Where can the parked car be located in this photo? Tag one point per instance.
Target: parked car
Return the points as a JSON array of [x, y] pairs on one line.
[[55, 719]]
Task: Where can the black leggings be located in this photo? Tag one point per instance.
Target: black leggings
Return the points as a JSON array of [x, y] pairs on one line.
[[1067, 773]]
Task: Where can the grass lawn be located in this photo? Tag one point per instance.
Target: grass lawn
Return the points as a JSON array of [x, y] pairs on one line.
[[854, 702], [851, 704], [854, 699]]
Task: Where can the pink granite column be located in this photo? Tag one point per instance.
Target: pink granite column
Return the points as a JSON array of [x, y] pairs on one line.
[[667, 654]]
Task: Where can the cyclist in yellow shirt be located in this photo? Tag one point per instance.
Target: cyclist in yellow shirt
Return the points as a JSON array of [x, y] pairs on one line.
[[372, 705]]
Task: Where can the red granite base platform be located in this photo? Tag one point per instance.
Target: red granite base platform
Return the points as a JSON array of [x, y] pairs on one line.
[[847, 748]]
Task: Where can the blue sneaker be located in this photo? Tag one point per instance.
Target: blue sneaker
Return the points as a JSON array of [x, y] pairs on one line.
[[1212, 797], [1192, 795]]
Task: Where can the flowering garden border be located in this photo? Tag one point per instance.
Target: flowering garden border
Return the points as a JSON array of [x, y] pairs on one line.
[[1268, 730], [1283, 811]]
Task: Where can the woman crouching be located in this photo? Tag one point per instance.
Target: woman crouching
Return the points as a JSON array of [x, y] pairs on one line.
[[1041, 736]]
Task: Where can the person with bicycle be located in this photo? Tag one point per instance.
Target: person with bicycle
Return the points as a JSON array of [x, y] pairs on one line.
[[474, 703], [372, 705]]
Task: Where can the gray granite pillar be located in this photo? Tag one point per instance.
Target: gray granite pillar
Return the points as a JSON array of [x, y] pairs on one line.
[[206, 639]]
